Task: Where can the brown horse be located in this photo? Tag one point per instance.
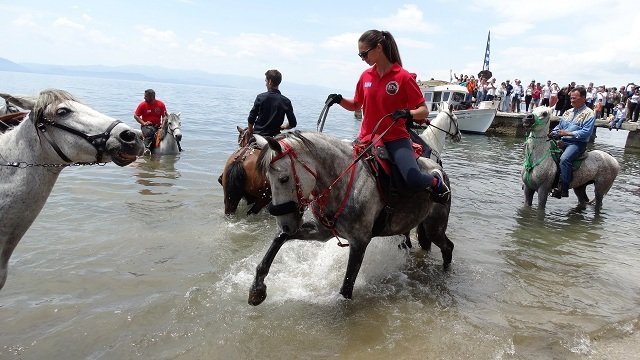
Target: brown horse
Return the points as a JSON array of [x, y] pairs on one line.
[[240, 179]]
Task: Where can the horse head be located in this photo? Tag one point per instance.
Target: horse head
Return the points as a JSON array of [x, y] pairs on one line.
[[173, 126], [447, 121], [243, 136], [538, 121], [78, 133], [291, 179]]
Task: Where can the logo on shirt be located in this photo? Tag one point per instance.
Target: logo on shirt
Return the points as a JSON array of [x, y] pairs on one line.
[[392, 87], [367, 84]]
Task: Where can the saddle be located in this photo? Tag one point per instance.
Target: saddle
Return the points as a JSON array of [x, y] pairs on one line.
[[557, 147], [389, 182], [8, 121]]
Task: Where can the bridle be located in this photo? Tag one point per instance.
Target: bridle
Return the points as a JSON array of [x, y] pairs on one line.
[[99, 141], [452, 123]]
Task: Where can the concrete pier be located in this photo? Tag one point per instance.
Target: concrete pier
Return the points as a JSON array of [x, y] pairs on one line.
[[510, 124]]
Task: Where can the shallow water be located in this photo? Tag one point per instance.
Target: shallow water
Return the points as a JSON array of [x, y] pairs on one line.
[[140, 261]]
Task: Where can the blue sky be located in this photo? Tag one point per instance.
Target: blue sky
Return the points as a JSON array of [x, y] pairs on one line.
[[316, 42]]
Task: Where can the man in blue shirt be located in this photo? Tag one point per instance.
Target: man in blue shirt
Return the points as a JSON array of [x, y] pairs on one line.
[[575, 129], [266, 117]]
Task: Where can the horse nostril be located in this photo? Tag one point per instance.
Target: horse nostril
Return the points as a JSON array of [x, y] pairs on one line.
[[179, 137], [127, 136]]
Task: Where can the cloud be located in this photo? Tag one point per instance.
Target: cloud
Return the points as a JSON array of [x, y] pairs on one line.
[[266, 45], [200, 47], [25, 20], [63, 22], [158, 38], [408, 18]]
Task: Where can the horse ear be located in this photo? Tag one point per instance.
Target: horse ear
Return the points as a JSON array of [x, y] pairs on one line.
[[23, 101], [451, 108], [240, 130]]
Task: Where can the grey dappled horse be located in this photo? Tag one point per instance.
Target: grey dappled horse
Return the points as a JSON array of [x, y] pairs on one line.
[[168, 136], [539, 169], [314, 170], [60, 131]]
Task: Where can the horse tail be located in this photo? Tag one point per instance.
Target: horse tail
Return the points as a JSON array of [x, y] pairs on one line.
[[236, 177]]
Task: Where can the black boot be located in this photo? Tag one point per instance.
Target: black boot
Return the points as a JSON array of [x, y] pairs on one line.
[[560, 192], [440, 193]]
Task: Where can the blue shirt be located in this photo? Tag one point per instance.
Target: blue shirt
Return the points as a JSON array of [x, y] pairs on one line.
[[580, 122]]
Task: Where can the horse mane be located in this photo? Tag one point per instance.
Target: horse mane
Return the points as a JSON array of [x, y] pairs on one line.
[[47, 97], [265, 156]]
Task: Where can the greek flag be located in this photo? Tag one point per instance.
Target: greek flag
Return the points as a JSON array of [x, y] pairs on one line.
[[485, 66]]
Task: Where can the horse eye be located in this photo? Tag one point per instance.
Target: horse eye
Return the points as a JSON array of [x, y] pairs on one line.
[[283, 179], [544, 114], [63, 111]]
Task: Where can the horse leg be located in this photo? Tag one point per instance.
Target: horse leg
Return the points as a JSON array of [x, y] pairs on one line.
[[543, 196], [581, 194], [356, 254], [528, 195], [436, 235], [423, 238], [258, 291], [406, 244], [308, 231]]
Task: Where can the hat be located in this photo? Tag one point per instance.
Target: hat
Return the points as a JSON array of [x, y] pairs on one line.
[[507, 80]]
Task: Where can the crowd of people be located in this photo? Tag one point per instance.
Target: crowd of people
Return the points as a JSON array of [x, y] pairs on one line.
[[616, 104]]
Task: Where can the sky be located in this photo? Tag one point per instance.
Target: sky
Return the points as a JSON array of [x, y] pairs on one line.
[[315, 42]]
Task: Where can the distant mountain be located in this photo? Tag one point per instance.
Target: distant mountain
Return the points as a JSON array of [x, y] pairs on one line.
[[6, 65], [150, 73]]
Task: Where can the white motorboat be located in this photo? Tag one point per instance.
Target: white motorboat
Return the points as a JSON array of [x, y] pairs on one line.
[[440, 94]]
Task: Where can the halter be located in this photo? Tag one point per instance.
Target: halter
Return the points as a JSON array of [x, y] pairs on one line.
[[448, 132], [98, 141]]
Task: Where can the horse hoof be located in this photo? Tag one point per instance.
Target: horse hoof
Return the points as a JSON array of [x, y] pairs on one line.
[[257, 294]]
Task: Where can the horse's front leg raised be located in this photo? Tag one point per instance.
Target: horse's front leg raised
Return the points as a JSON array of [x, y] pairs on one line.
[[308, 231], [258, 291]]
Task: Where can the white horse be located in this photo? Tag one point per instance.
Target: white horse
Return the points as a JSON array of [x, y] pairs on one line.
[[59, 132], [539, 167], [445, 125], [168, 136]]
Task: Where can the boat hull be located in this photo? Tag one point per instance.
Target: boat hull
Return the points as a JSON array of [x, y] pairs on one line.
[[473, 121]]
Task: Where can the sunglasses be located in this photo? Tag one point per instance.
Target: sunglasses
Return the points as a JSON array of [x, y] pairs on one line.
[[363, 54]]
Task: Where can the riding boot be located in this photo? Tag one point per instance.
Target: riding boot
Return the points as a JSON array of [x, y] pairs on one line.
[[440, 192], [560, 192]]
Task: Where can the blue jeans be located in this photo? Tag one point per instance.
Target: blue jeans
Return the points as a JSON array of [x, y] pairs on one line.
[[616, 123], [401, 153], [566, 161]]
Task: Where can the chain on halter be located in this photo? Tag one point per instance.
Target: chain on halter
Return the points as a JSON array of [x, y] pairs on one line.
[[24, 165]]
